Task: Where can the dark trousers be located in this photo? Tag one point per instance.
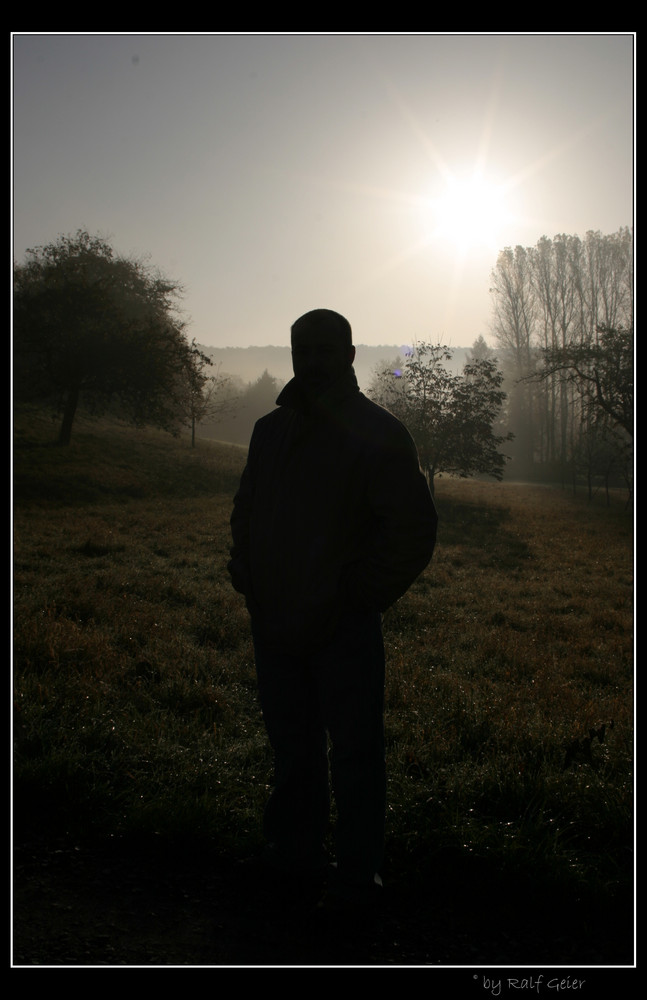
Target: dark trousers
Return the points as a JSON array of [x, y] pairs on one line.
[[337, 690]]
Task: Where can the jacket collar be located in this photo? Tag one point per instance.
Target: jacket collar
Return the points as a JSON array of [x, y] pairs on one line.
[[293, 396]]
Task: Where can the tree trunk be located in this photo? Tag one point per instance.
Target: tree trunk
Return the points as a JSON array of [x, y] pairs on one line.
[[69, 412]]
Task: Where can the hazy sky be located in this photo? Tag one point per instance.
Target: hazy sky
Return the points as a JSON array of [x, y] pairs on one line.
[[272, 174]]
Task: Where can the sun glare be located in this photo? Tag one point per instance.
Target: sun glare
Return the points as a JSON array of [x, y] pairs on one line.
[[470, 213]]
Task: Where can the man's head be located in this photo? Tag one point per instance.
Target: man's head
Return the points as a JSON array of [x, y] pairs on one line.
[[322, 349]]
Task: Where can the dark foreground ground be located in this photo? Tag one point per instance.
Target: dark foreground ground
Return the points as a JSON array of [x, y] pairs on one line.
[[152, 905]]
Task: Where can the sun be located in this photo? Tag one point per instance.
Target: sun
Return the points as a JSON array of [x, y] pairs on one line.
[[470, 212]]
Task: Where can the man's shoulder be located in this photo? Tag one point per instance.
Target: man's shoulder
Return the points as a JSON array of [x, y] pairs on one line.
[[378, 415], [270, 422], [272, 415], [374, 425]]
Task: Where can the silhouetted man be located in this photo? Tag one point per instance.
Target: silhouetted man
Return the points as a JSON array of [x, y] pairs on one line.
[[331, 524]]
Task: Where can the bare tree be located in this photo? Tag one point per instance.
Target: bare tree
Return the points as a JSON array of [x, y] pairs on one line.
[[206, 394], [551, 303]]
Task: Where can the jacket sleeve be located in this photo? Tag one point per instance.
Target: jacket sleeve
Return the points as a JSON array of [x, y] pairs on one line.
[[238, 565], [402, 533]]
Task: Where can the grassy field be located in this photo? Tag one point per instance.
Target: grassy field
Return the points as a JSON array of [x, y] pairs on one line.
[[509, 701]]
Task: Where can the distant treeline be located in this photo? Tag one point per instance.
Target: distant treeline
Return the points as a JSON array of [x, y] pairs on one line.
[[247, 364], [252, 377], [247, 402]]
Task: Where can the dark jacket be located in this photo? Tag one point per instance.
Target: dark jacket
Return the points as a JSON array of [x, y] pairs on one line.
[[332, 515]]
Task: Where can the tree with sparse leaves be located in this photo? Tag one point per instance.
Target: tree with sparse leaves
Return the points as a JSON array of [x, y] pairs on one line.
[[98, 329], [207, 396], [600, 376], [451, 417], [602, 371]]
